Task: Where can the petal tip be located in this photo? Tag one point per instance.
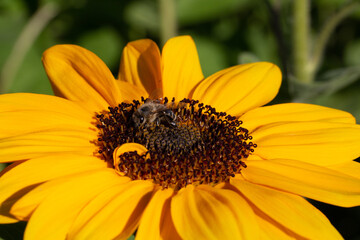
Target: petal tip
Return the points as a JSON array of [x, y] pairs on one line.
[[272, 71], [140, 42], [51, 51], [271, 67], [184, 39]]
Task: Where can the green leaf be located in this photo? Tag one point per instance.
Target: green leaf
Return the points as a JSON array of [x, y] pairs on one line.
[[330, 83], [12, 7], [328, 3], [31, 76], [352, 53], [347, 100], [106, 43], [247, 57], [262, 43], [143, 16], [211, 54], [132, 237], [190, 11], [2, 166], [11, 26], [225, 28]]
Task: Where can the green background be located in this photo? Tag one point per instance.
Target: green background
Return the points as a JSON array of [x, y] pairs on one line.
[[226, 33]]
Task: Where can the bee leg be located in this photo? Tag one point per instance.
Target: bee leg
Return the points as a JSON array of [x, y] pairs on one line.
[[172, 123]]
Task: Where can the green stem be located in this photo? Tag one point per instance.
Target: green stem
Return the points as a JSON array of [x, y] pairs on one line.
[[168, 19], [24, 42], [301, 40], [326, 32]]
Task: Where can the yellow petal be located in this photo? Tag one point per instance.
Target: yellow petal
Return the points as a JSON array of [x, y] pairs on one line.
[[33, 195], [272, 230], [239, 89], [205, 212], [10, 167], [38, 144], [141, 65], [268, 227], [351, 168], [63, 204], [5, 216], [130, 92], [4, 219], [33, 125], [18, 181], [181, 70], [79, 75], [312, 181], [33, 121], [127, 147], [153, 223], [114, 216], [293, 112], [5, 199], [25, 102], [167, 228], [96, 205], [321, 143], [292, 211]]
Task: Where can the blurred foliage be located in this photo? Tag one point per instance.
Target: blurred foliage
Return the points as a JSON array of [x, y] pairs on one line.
[[226, 33]]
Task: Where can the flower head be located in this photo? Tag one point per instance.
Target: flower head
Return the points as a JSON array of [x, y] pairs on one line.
[[169, 153]]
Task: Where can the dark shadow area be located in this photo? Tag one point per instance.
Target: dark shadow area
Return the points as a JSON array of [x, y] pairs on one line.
[[13, 231], [345, 220]]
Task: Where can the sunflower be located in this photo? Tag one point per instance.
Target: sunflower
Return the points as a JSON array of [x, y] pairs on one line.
[[167, 153]]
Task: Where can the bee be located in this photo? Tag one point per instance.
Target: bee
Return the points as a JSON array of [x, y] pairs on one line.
[[153, 111]]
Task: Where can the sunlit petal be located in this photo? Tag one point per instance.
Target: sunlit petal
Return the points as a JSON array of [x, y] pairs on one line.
[[290, 210], [321, 143], [210, 213], [154, 223], [79, 75], [23, 178], [39, 144], [293, 112], [351, 168], [141, 66], [61, 206], [130, 92], [181, 70], [241, 88], [306, 180], [114, 214]]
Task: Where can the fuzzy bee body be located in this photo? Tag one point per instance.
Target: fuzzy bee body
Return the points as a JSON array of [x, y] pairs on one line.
[[152, 111]]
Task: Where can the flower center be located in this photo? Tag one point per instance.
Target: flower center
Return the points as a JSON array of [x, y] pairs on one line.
[[187, 142]]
